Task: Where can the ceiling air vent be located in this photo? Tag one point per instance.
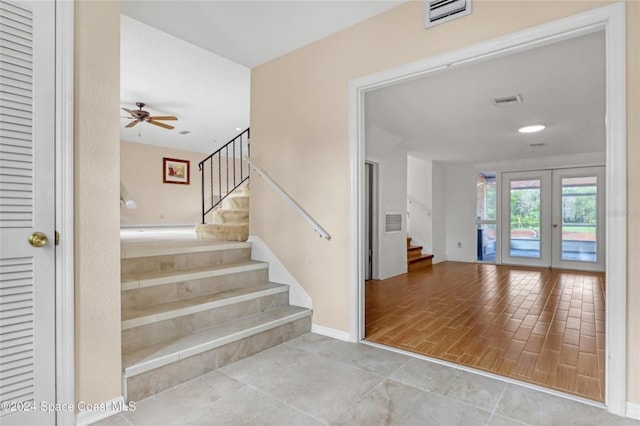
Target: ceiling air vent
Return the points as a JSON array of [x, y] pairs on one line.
[[536, 145], [393, 222], [509, 100], [440, 11]]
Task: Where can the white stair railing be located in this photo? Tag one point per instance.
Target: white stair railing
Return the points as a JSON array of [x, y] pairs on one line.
[[306, 216]]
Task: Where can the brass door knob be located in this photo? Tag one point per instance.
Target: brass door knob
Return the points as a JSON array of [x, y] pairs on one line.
[[38, 239]]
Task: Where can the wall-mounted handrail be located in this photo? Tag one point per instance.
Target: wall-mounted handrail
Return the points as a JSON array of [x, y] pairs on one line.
[[419, 205], [306, 216]]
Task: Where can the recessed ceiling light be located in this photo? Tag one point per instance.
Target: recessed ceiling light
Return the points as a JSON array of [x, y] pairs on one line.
[[184, 132], [238, 129], [532, 129]]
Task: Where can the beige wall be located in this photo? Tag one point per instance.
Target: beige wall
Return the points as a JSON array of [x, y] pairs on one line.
[[299, 126], [164, 203], [158, 203], [97, 215]]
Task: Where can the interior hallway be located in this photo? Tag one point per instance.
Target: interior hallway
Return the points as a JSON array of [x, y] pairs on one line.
[[541, 326], [315, 380]]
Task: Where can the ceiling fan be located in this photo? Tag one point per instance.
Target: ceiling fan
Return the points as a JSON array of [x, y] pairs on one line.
[[140, 115]]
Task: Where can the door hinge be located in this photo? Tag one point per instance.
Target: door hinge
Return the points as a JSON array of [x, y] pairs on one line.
[[57, 238]]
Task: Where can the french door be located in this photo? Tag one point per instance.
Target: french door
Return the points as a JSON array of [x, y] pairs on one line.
[[554, 218]]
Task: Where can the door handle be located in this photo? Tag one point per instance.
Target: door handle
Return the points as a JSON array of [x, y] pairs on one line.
[[555, 225], [38, 239]]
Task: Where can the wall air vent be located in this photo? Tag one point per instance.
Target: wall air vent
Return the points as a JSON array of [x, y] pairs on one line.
[[536, 145], [509, 100], [392, 222], [441, 11]]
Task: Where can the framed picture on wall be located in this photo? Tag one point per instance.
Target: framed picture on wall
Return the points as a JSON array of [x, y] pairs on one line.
[[175, 171]]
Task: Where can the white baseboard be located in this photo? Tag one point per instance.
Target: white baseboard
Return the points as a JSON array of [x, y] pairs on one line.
[[96, 412], [633, 410], [278, 272], [459, 259], [331, 332]]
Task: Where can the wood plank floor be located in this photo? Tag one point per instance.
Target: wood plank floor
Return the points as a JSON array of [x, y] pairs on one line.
[[541, 326]]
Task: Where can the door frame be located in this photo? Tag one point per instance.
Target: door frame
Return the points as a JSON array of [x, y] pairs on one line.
[[611, 19], [64, 211], [375, 208]]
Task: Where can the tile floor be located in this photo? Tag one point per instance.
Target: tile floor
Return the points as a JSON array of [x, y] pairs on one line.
[[315, 380]]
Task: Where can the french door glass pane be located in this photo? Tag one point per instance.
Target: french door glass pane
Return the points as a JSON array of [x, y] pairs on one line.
[[486, 196], [579, 218], [525, 218], [487, 242]]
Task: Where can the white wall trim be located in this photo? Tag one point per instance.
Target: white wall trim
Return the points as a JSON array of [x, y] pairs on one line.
[[279, 273], [64, 280], [633, 410], [331, 332], [616, 209], [610, 18], [101, 411]]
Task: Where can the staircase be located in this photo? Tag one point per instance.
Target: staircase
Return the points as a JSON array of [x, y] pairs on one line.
[[231, 222], [416, 261], [191, 306]]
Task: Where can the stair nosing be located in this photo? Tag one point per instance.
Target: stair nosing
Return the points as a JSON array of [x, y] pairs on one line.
[[421, 258], [134, 253], [180, 354], [201, 307], [181, 275]]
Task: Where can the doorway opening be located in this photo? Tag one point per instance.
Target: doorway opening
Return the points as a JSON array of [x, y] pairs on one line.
[[569, 29]]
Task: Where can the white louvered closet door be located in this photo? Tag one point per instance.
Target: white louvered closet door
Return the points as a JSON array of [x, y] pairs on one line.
[[27, 292]]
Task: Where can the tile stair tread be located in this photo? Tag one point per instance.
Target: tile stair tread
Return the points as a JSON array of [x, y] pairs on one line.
[[226, 225], [135, 249], [195, 304], [158, 355], [180, 273]]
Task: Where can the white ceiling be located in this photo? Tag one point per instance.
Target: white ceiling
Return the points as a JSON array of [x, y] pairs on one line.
[[209, 94], [253, 32], [450, 116], [191, 59]]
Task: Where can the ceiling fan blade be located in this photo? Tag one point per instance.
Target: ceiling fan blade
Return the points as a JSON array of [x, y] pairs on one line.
[[163, 117], [133, 123], [157, 123], [128, 110]]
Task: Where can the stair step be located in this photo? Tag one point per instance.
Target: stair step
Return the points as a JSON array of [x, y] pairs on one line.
[[151, 314], [422, 258], [222, 216], [414, 252], [135, 249], [236, 202], [420, 263], [162, 354], [149, 279], [223, 231], [185, 256]]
